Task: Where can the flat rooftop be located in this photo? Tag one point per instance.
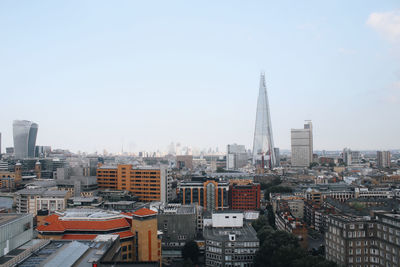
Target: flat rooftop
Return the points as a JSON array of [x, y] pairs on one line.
[[245, 233], [6, 218], [70, 253]]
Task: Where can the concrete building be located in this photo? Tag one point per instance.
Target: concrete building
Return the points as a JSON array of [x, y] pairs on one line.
[[15, 230], [302, 146], [230, 240], [35, 199], [211, 194], [351, 157], [104, 250], [178, 224], [147, 183], [24, 133], [383, 159], [236, 157]]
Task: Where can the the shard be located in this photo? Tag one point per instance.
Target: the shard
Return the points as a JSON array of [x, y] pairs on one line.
[[263, 145]]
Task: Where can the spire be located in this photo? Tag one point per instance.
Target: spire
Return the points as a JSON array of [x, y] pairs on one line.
[[263, 140]]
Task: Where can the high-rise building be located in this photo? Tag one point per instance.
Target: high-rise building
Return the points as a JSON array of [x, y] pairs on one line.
[[236, 157], [351, 157], [302, 146], [383, 159], [25, 133], [0, 143], [263, 144]]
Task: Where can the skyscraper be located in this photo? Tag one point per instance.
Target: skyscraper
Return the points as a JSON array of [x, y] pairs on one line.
[[263, 140], [25, 133], [302, 146]]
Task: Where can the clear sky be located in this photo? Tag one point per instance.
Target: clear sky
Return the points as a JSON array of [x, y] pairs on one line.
[[96, 74]]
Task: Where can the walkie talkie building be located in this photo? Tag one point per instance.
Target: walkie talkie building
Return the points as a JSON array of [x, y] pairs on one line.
[[24, 133], [263, 145]]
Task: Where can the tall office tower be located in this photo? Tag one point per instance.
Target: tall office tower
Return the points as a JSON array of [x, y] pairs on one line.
[[0, 143], [236, 157], [263, 140], [25, 133], [302, 146], [383, 159]]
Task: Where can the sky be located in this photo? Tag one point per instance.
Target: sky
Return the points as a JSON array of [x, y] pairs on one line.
[[141, 74]]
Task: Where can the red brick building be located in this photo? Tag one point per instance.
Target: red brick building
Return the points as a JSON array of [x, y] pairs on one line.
[[244, 197]]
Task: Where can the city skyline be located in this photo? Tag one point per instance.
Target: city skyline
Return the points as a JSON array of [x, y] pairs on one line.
[[100, 76]]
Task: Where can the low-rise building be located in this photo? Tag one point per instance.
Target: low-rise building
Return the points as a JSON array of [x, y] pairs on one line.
[[284, 221], [364, 240], [211, 194], [230, 240], [244, 196], [30, 200], [15, 230]]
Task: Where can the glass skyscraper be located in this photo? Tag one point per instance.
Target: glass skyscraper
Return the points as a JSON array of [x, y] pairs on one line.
[[263, 140], [24, 133]]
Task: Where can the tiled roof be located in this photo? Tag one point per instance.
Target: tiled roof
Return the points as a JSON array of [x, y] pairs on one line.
[[144, 212], [125, 234], [56, 225]]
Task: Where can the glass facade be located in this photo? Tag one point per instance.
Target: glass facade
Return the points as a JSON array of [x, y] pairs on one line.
[[263, 140], [24, 133]]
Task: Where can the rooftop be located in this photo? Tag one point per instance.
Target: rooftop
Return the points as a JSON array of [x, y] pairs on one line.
[[144, 212], [70, 253], [245, 233], [10, 217]]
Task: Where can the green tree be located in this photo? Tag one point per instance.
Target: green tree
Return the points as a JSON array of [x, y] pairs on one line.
[[260, 223], [191, 251]]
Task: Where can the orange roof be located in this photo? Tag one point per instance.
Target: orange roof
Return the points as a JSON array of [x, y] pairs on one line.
[[52, 224], [125, 234], [144, 212], [96, 225], [56, 225]]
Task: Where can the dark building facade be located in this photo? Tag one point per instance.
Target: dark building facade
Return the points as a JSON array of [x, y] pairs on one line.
[[244, 197]]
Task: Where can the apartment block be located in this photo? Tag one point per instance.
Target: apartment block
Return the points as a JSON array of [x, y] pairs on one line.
[[147, 183], [364, 241]]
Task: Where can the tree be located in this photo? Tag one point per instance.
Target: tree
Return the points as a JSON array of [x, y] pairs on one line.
[[282, 249], [313, 164], [271, 216], [260, 223], [190, 251]]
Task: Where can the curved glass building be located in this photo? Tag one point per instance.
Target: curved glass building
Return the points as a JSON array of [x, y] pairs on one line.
[[24, 133]]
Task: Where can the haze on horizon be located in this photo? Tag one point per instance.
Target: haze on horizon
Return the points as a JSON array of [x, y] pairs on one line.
[[98, 74]]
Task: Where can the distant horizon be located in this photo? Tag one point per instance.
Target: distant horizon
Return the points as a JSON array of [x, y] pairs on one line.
[[99, 75]]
